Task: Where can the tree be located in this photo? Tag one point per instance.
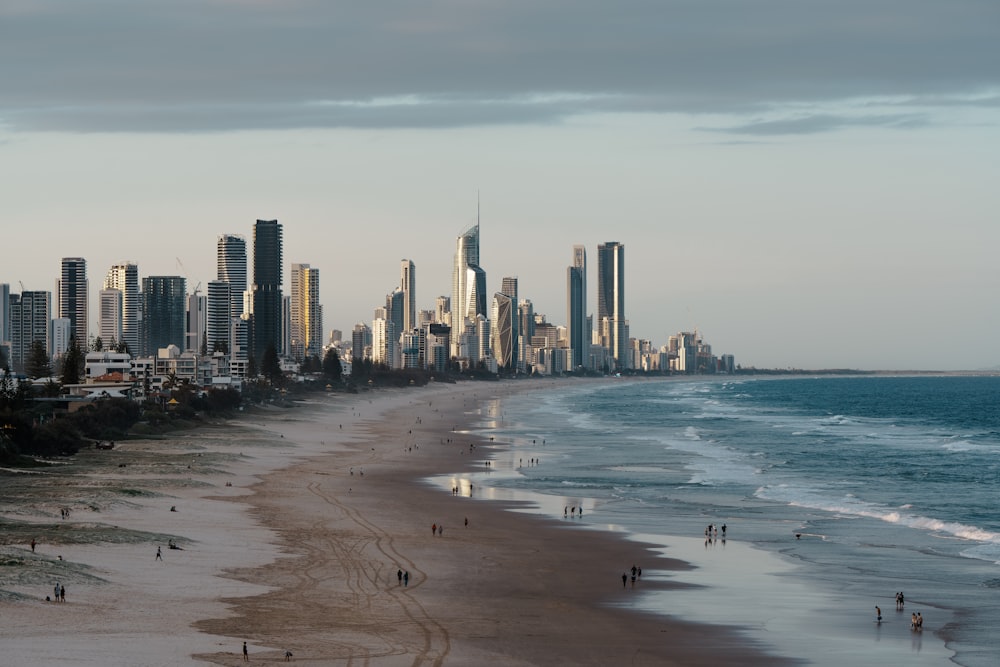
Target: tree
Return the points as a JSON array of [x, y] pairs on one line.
[[269, 365], [98, 345], [331, 365], [38, 365], [71, 364]]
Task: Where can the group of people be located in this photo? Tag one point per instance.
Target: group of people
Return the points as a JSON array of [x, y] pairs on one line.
[[713, 531], [60, 593], [403, 577], [572, 510], [636, 574]]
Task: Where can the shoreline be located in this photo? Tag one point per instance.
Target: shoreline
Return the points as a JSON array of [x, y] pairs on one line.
[[307, 553], [549, 591]]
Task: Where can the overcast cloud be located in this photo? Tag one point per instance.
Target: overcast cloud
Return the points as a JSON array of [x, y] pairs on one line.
[[204, 65]]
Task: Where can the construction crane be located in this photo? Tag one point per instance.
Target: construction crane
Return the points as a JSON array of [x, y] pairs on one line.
[[180, 266]]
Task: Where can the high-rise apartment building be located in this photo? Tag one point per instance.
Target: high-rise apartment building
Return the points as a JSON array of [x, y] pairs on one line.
[[124, 278], [30, 313], [218, 317], [267, 297], [611, 302], [306, 317], [163, 313], [72, 290], [4, 314], [408, 285], [109, 324], [231, 267], [465, 277], [196, 323], [504, 334], [576, 307], [442, 310]]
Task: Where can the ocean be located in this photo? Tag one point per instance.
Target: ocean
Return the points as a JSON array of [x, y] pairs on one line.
[[836, 493]]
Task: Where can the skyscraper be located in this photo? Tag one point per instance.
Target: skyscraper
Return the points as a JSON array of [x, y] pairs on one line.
[[611, 301], [109, 325], [72, 297], [231, 267], [30, 313], [576, 307], [266, 287], [4, 313], [124, 277], [408, 284], [504, 335], [219, 318], [306, 316], [163, 313], [465, 304]]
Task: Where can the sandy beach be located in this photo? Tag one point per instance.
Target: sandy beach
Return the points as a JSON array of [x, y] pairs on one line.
[[293, 526]]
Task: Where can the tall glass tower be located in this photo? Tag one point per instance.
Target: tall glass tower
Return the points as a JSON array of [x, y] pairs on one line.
[[72, 295], [408, 284], [267, 295], [231, 262], [164, 313], [611, 301], [466, 300], [576, 307]]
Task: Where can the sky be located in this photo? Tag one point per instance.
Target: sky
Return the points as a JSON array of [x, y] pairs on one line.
[[808, 183]]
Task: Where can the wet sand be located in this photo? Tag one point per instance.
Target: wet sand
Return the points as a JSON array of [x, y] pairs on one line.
[[300, 554]]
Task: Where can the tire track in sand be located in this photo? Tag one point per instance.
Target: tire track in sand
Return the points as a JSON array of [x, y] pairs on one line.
[[363, 580]]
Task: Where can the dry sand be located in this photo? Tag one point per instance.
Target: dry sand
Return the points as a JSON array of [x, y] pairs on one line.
[[301, 553]]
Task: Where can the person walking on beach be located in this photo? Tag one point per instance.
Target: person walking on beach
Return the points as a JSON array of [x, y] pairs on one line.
[[246, 655], [624, 579], [399, 576], [62, 593], [159, 554], [32, 545], [878, 614], [434, 529], [406, 579], [56, 598]]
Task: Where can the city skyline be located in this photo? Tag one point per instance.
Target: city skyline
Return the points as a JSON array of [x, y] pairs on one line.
[[812, 186]]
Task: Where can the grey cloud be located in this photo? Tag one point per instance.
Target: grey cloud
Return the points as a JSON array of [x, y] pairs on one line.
[[821, 123], [205, 65]]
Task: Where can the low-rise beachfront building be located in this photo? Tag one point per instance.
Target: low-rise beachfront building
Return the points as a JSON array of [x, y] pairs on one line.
[[101, 366]]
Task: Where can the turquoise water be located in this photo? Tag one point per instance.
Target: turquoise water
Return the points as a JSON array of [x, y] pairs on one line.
[[890, 483]]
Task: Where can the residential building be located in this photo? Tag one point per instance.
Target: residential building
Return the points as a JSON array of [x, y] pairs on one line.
[[306, 313], [163, 313], [218, 316], [611, 302], [267, 296], [504, 336], [72, 290], [231, 267], [408, 286], [109, 324], [576, 307], [124, 278], [30, 314], [468, 282]]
